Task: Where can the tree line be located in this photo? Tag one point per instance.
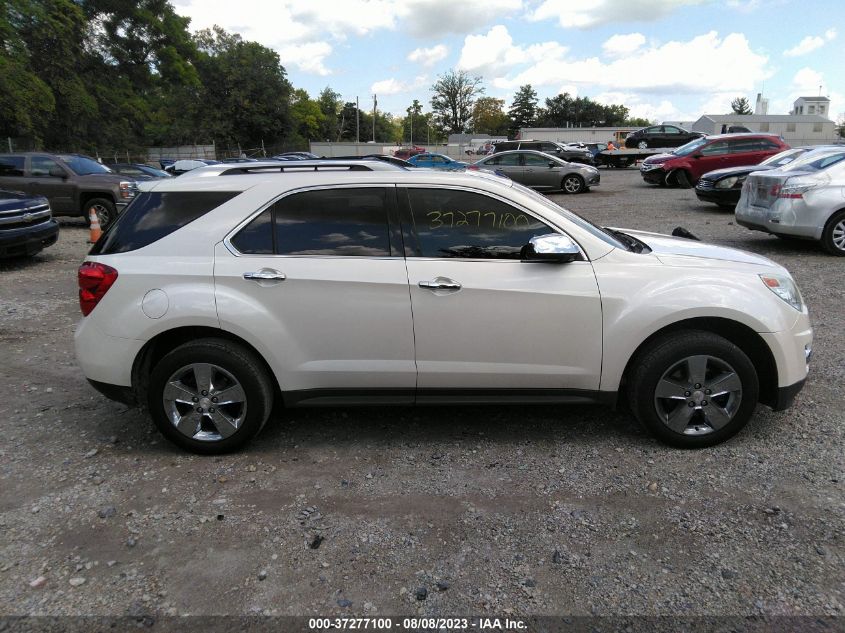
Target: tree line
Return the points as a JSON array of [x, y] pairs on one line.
[[83, 74]]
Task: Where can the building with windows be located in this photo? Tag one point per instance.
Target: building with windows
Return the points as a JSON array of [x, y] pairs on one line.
[[811, 105], [796, 129]]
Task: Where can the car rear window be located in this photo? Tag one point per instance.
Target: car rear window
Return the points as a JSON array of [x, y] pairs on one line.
[[154, 215]]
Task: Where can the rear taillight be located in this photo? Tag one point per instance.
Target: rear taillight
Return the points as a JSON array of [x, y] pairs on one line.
[[95, 279]]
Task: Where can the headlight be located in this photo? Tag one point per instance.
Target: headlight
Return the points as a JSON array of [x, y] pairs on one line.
[[128, 189], [726, 183], [785, 288]]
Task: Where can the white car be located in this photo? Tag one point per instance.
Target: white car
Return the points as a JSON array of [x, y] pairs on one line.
[[223, 292]]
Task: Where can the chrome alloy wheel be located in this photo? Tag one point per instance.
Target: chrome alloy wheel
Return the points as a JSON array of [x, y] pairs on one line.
[[698, 395], [204, 402], [572, 184], [838, 235], [103, 214]]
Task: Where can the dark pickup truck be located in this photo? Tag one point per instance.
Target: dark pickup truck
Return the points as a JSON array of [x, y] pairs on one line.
[[26, 224], [74, 184]]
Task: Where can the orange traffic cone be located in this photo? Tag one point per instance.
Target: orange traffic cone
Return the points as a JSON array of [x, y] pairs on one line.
[[94, 226]]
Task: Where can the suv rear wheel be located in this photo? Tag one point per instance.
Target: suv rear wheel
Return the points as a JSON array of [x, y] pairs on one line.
[[210, 396], [693, 389], [104, 208]]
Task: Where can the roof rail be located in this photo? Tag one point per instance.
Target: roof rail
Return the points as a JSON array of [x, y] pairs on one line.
[[293, 166]]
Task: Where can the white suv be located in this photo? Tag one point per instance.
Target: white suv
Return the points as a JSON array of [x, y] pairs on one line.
[[227, 290]]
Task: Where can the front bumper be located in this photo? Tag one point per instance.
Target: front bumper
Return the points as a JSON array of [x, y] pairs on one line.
[[786, 395], [791, 350], [653, 176], [28, 240], [718, 196], [593, 180]]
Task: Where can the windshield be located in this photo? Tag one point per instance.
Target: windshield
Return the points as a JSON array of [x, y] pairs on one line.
[[82, 166], [689, 148], [816, 161], [573, 217], [784, 158]]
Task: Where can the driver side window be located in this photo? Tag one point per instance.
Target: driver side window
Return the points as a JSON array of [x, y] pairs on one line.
[[457, 224]]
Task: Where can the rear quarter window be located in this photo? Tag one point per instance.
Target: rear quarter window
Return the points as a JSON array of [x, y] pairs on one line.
[[153, 215]]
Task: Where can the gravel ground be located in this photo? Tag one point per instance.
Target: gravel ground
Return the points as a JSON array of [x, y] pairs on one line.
[[438, 511]]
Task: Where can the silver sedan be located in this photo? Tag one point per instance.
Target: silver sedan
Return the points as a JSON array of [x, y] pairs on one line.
[[542, 171], [805, 199]]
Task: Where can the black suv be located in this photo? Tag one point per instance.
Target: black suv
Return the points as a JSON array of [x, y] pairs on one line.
[[661, 136], [74, 184], [26, 224], [571, 154]]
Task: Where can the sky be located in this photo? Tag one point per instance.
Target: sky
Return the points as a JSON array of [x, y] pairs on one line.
[[664, 59]]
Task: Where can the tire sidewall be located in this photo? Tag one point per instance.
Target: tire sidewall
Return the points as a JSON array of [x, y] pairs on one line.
[[238, 362], [827, 235], [581, 183], [652, 365]]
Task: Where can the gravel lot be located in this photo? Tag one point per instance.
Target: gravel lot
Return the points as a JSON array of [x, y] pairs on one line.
[[438, 511]]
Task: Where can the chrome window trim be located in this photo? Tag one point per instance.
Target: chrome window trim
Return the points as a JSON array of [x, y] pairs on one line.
[[227, 240]]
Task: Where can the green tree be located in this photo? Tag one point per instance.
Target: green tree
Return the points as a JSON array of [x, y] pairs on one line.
[[331, 106], [414, 111], [523, 110], [740, 105], [307, 117], [488, 117], [454, 94]]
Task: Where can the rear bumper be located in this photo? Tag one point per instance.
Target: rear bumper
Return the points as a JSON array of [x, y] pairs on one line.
[[103, 358], [28, 240], [118, 393]]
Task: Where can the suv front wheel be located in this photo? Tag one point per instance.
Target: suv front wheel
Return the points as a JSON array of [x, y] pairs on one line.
[[693, 389], [210, 396]]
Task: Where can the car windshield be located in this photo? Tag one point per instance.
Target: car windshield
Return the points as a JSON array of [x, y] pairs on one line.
[[816, 161], [784, 158], [584, 223], [82, 166], [689, 148]]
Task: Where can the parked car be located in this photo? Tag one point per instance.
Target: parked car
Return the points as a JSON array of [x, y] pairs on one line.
[[569, 154], [26, 224], [312, 287], [386, 158], [436, 161], [685, 165], [406, 152], [185, 165], [723, 186], [542, 171], [139, 171], [74, 184], [804, 199], [660, 136]]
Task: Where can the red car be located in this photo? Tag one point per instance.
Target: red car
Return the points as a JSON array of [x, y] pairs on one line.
[[685, 165], [407, 152]]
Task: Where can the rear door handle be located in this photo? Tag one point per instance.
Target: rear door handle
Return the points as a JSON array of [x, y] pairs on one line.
[[441, 283], [265, 274]]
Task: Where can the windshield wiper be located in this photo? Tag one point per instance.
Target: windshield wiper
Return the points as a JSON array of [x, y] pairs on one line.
[[634, 245]]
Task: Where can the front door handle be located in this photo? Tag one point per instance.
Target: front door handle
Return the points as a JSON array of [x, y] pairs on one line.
[[441, 283], [265, 274]]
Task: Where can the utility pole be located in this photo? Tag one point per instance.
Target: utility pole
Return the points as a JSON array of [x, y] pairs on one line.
[[357, 122], [375, 105]]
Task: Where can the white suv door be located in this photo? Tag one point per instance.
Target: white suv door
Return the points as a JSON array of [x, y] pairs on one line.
[[317, 281], [483, 319]]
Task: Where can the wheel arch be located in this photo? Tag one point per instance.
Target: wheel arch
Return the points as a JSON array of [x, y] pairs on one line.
[[158, 346], [87, 196], [745, 338]]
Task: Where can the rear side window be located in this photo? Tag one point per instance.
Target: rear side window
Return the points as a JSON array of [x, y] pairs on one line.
[[154, 215], [327, 222], [11, 165]]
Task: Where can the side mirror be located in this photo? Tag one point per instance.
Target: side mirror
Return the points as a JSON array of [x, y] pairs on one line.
[[58, 172], [552, 164], [553, 248]]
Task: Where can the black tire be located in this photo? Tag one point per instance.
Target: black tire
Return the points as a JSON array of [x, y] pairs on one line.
[[104, 208], [832, 236], [673, 350], [573, 183], [682, 178], [240, 363]]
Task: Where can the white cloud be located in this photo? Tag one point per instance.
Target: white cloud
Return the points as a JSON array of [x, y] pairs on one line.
[[394, 86], [428, 56], [623, 44], [435, 18], [810, 44], [807, 81], [494, 53], [570, 14], [307, 57], [731, 67]]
